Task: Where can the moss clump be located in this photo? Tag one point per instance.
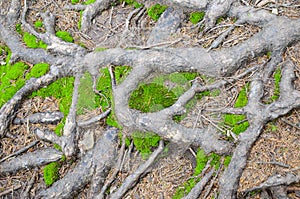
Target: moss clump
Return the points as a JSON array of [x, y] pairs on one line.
[[238, 122], [99, 49], [62, 90], [74, 1], [201, 159], [144, 142], [38, 24], [80, 20], [151, 97], [196, 17], [19, 29], [155, 11], [87, 97], [51, 173], [38, 70], [32, 42], [65, 36], [89, 2], [227, 160], [134, 3], [277, 79], [104, 86]]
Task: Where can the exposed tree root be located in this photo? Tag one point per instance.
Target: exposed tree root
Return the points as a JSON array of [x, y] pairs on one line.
[[70, 59]]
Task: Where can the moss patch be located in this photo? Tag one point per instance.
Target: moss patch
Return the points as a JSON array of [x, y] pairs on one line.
[[13, 77], [87, 2], [50, 172], [104, 85], [196, 17], [74, 1], [32, 42], [201, 159], [277, 79], [144, 142], [238, 123], [155, 11], [38, 24], [65, 36], [151, 98], [61, 89]]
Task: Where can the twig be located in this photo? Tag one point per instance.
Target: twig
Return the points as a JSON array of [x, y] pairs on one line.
[[131, 180], [275, 163], [291, 124], [196, 191], [32, 144], [168, 43], [25, 194], [93, 119], [10, 190], [214, 179]]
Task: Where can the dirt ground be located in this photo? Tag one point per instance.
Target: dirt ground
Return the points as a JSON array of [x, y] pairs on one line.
[[276, 152]]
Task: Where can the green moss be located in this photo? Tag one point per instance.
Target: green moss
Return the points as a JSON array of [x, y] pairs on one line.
[[65, 36], [201, 159], [155, 11], [227, 160], [144, 142], [12, 79], [151, 98], [238, 123], [220, 19], [89, 2], [242, 98], [51, 173], [62, 90], [277, 79], [38, 70], [32, 42], [133, 2], [99, 49], [19, 29], [38, 24], [196, 17], [80, 20], [104, 85], [74, 1], [215, 162]]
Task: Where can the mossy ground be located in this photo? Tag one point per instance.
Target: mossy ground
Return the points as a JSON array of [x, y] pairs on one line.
[[238, 123], [155, 11], [144, 142], [201, 159], [65, 36], [196, 17], [51, 173]]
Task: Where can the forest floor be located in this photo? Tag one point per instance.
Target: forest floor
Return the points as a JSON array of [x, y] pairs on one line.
[[276, 152]]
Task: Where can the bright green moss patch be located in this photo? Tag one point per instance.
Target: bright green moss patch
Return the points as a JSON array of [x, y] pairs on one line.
[[38, 70], [89, 2], [38, 24], [277, 79], [201, 159], [99, 49], [51, 173], [74, 1], [62, 90], [151, 98], [80, 20], [12, 79], [19, 29], [238, 123], [104, 86], [227, 160], [65, 36], [144, 142], [196, 17], [134, 3], [155, 11], [32, 42]]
